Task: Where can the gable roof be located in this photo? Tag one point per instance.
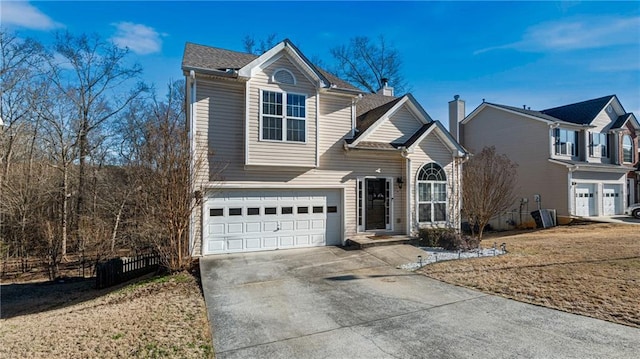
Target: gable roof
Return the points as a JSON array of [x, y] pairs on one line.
[[536, 115], [623, 119], [581, 113], [371, 108], [200, 57]]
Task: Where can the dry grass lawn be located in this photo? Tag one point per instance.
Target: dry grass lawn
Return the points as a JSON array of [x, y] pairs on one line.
[[163, 317], [592, 270]]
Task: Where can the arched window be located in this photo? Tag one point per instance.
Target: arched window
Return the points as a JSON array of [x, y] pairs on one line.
[[432, 193], [627, 149]]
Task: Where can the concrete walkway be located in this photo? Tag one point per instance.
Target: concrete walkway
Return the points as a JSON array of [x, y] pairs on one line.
[[330, 303]]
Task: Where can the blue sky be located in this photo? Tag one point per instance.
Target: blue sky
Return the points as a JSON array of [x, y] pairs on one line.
[[539, 54]]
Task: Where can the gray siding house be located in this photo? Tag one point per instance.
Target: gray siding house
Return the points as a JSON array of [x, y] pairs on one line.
[[580, 159], [288, 155]]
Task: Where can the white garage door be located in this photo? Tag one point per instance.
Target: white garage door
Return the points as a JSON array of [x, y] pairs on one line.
[[256, 220], [611, 199], [585, 203]]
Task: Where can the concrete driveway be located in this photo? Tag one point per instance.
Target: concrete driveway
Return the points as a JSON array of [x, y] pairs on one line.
[[330, 303]]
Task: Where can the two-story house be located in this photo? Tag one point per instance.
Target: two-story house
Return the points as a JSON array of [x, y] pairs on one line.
[[580, 159], [288, 155]]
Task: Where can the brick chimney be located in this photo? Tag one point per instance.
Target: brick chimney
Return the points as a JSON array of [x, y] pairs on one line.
[[456, 114], [385, 90]]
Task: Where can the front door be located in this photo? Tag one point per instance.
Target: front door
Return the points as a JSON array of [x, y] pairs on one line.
[[376, 203]]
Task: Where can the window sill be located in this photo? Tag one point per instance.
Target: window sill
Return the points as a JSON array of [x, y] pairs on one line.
[[284, 142]]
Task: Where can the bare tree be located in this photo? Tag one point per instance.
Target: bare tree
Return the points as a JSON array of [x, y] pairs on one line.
[[488, 182], [161, 165], [365, 63], [258, 47], [93, 75]]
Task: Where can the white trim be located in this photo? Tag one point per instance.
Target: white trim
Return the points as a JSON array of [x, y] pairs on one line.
[[247, 98], [408, 183], [317, 120], [417, 194], [276, 164], [387, 116], [194, 152], [240, 185], [527, 116], [267, 59], [591, 167]]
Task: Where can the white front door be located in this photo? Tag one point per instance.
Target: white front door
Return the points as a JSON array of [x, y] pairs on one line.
[[584, 200], [256, 220]]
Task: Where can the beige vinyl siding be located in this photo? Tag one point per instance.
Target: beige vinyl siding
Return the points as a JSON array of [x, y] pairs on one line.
[[431, 150], [527, 143], [222, 104], [276, 152], [398, 128], [220, 127], [344, 173]]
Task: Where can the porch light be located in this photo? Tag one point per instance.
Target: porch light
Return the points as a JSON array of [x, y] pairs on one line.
[[400, 182]]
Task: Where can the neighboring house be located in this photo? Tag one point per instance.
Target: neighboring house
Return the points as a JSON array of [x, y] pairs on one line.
[[580, 159], [295, 157]]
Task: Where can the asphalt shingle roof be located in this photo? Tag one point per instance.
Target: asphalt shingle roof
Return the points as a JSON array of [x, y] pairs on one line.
[[581, 113], [526, 112], [213, 58], [620, 121]]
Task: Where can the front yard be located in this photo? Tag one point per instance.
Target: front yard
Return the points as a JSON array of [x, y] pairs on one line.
[[592, 270], [162, 317]]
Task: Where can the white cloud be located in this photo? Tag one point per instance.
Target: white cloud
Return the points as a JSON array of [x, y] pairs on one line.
[[585, 33], [23, 14], [139, 38]]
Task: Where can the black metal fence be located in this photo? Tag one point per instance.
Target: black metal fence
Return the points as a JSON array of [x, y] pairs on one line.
[[119, 270]]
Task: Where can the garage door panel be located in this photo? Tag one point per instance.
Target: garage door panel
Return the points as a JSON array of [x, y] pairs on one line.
[[252, 220], [317, 239], [254, 227], [286, 241], [287, 225], [270, 242], [234, 228], [216, 228], [253, 243], [270, 226], [215, 245], [302, 240], [235, 244], [318, 224]]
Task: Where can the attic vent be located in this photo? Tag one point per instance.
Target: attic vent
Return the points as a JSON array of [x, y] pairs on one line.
[[283, 76]]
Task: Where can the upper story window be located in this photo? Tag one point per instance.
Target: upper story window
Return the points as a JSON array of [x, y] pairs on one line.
[[566, 142], [283, 125], [432, 193], [627, 149], [598, 145]]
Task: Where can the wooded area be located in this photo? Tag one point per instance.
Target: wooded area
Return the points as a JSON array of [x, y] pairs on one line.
[[92, 160]]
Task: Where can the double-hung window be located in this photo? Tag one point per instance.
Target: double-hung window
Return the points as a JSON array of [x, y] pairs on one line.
[[432, 194], [566, 142], [598, 145], [283, 117]]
